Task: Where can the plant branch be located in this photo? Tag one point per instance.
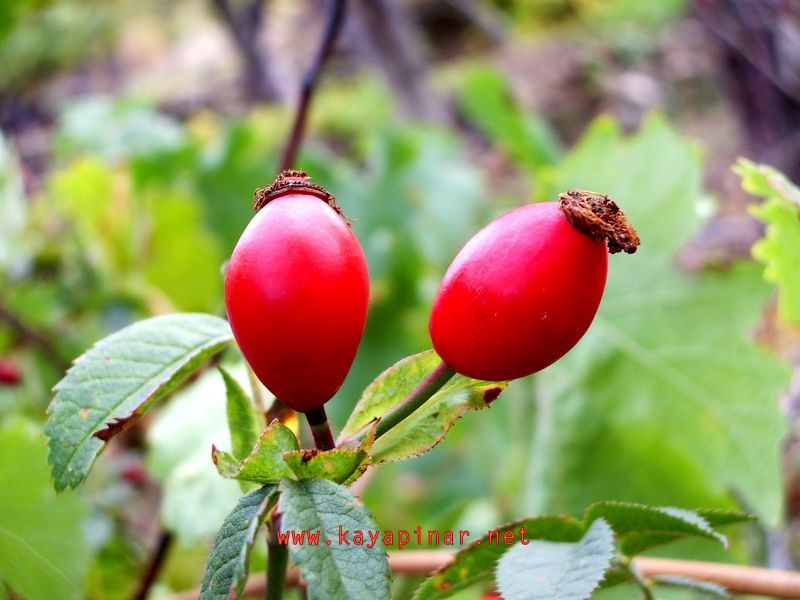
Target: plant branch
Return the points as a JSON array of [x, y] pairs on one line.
[[309, 84], [39, 339], [320, 429], [277, 561], [738, 579], [244, 30], [416, 398], [163, 545]]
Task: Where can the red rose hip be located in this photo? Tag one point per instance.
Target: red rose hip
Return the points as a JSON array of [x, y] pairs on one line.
[[525, 288], [296, 292]]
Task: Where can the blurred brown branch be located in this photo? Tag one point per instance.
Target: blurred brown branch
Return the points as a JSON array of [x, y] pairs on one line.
[[154, 566], [244, 26], [39, 339], [759, 62], [385, 34], [735, 578]]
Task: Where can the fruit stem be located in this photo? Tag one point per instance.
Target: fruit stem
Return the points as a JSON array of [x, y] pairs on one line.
[[277, 561], [320, 429], [416, 398]]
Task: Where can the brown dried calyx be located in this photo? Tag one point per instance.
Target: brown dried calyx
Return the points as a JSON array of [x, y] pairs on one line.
[[599, 217], [292, 182]]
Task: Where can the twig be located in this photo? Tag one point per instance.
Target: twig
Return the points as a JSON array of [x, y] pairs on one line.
[[735, 578], [165, 540], [332, 27], [416, 398], [320, 429], [34, 337], [244, 29]]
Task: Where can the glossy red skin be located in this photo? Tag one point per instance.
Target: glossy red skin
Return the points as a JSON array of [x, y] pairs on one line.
[[296, 293], [519, 295]]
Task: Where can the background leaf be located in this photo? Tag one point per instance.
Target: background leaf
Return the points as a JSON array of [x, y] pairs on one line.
[[779, 249], [195, 499], [333, 571], [557, 571], [526, 138], [226, 571], [118, 379], [44, 554], [660, 379]]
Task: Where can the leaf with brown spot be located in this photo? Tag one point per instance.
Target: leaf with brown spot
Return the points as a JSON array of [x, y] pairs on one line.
[[426, 427], [118, 380]]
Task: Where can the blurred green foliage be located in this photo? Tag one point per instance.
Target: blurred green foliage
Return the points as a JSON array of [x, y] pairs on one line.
[[666, 401], [41, 37]]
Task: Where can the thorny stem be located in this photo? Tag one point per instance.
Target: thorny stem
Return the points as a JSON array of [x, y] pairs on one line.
[[277, 561], [332, 27], [320, 429], [416, 398], [165, 540]]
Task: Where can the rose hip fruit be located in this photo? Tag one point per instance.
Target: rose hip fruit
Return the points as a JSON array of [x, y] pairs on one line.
[[296, 292], [525, 288]]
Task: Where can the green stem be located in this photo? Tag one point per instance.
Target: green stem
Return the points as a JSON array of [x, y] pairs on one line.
[[277, 561], [416, 398], [320, 429], [644, 585]]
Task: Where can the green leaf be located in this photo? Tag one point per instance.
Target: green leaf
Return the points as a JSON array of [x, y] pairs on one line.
[[779, 250], [640, 527], [388, 389], [241, 417], [118, 380], [334, 570], [341, 465], [476, 563], [182, 259], [705, 588], [228, 564], [430, 423], [557, 571], [195, 499], [719, 517], [265, 462], [660, 378], [44, 554], [526, 138], [116, 129]]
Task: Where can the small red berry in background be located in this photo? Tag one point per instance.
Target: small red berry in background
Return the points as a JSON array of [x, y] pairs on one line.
[[10, 373], [525, 288], [296, 292]]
